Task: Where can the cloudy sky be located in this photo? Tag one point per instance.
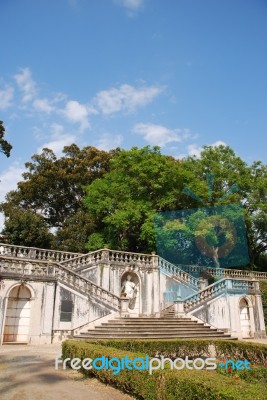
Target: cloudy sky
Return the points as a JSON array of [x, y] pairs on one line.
[[175, 73]]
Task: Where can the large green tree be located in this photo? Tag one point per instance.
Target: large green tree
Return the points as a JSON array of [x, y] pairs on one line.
[[142, 182], [24, 227], [5, 147], [124, 201], [53, 188], [229, 180]]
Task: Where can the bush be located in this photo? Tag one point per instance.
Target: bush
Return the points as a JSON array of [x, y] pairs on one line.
[[255, 353], [166, 384]]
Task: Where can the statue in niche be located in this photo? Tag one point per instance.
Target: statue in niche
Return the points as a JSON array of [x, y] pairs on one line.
[[129, 289]]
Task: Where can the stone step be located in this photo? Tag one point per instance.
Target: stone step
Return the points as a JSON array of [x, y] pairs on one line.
[[152, 320], [161, 328], [152, 328], [148, 335], [165, 323]]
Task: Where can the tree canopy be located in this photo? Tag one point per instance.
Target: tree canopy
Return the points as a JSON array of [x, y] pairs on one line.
[[5, 147], [91, 198], [124, 201], [53, 189]]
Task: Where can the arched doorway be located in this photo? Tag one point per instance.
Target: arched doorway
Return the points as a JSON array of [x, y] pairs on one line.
[[244, 318], [18, 313], [130, 288]]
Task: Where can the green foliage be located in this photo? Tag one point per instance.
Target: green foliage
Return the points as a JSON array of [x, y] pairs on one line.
[[5, 147], [164, 385], [140, 183], [53, 188], [234, 182], [253, 352], [172, 348], [256, 374], [93, 198], [24, 227]]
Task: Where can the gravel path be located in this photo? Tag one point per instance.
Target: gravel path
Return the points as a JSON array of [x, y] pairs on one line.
[[28, 373]]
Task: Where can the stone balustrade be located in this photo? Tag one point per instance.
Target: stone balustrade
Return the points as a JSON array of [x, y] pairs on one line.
[[112, 257], [41, 269], [174, 271], [217, 288], [35, 253], [85, 260], [139, 259], [225, 272]]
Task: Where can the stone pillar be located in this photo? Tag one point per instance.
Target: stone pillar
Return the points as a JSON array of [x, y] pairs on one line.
[[149, 294], [179, 309], [124, 303], [202, 283], [156, 291], [260, 331], [104, 269]]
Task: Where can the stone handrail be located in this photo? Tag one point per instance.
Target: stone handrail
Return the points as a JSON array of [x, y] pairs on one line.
[[84, 260], [141, 259], [174, 271], [35, 253], [112, 257], [226, 272], [10, 266], [212, 291]]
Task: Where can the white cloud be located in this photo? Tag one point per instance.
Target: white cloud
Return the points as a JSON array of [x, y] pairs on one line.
[[194, 150], [59, 139], [108, 142], [43, 105], [158, 135], [218, 143], [58, 144], [26, 84], [130, 5], [6, 96], [77, 112], [125, 98], [8, 181]]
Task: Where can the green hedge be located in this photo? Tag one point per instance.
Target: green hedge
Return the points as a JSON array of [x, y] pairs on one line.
[[255, 353], [166, 384]]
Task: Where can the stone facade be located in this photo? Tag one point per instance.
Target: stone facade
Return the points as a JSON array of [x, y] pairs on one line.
[[47, 296]]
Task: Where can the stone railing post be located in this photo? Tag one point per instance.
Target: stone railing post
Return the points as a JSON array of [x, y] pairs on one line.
[[124, 303], [105, 256], [202, 283], [179, 309], [229, 284], [155, 260]]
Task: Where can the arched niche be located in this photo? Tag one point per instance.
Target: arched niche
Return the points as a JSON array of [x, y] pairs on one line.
[[18, 314]]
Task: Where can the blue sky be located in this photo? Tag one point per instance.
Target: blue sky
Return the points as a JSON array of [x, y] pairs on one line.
[[176, 73]]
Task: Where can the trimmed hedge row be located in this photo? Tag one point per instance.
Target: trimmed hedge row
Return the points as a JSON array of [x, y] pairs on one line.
[[255, 353], [164, 385]]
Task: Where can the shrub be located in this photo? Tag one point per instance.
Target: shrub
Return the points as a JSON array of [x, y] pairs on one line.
[[255, 353], [166, 384]]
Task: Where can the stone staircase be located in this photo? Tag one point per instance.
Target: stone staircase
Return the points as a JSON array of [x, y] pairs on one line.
[[47, 265], [164, 327]]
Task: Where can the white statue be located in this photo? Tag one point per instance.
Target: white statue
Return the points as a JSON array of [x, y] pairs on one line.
[[129, 287]]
